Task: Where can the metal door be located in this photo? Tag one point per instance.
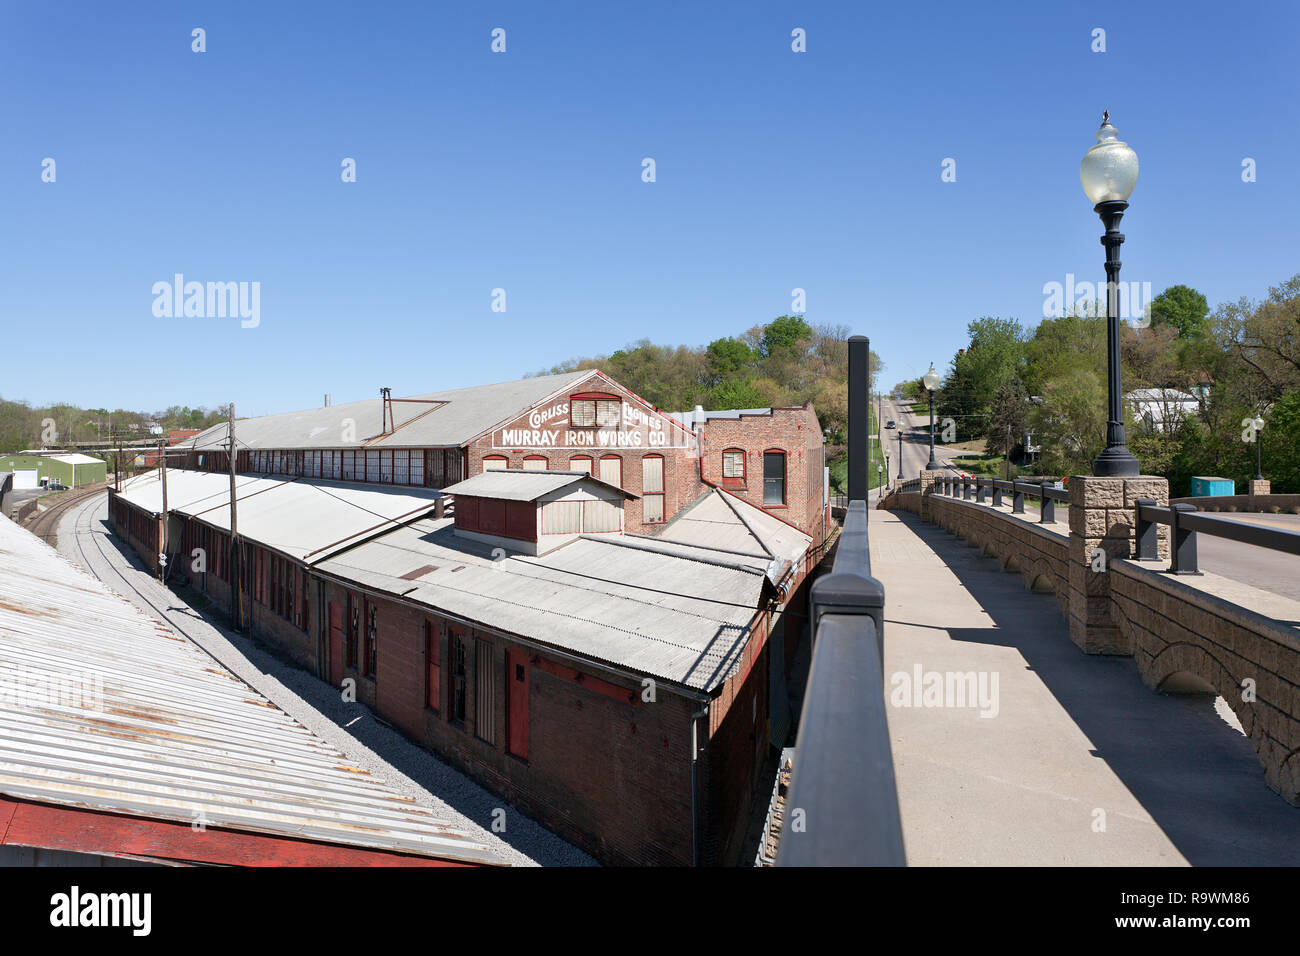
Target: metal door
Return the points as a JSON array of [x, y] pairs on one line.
[[517, 704]]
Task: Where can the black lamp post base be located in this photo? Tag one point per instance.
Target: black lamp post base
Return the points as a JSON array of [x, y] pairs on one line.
[[1116, 462], [933, 466]]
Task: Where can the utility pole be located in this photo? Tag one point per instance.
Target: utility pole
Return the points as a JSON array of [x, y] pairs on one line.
[[162, 539], [236, 571]]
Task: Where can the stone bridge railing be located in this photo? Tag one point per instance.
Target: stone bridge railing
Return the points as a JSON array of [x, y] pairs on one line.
[[1201, 633]]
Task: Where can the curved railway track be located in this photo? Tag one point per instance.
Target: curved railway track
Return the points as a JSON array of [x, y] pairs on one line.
[[46, 524]]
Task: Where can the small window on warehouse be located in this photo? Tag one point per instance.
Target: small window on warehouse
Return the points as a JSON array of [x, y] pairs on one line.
[[733, 466]]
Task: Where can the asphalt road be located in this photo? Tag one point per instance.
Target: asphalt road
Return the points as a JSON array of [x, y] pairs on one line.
[[1260, 567]]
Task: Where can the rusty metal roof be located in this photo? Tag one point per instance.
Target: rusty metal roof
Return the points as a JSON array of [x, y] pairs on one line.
[[104, 709]]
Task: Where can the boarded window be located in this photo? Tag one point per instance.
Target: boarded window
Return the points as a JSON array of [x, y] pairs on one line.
[[611, 470], [433, 670], [602, 516], [485, 697], [562, 517], [494, 462], [607, 413], [457, 677], [733, 464], [535, 464], [773, 478], [582, 412], [652, 487], [581, 463]]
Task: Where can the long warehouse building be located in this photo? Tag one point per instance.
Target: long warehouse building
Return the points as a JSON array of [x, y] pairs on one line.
[[622, 688]]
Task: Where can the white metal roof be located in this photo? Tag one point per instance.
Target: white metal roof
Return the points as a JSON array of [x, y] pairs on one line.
[[77, 459], [306, 518], [689, 419], [422, 422], [174, 736], [520, 485], [725, 521], [676, 617]]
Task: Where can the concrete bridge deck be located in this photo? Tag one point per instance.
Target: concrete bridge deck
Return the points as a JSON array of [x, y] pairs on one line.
[[1080, 764]]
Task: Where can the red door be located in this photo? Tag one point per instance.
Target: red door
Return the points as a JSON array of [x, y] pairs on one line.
[[517, 704], [336, 644]]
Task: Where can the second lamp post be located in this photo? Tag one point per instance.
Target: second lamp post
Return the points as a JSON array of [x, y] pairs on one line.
[[931, 381]]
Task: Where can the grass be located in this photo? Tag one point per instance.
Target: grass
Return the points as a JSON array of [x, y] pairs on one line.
[[840, 474]]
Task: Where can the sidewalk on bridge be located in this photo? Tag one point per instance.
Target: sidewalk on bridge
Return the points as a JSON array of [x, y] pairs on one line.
[[1078, 763]]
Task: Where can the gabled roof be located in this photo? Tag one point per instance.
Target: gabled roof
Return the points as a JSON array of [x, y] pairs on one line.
[[520, 485], [168, 733], [433, 419], [727, 522]]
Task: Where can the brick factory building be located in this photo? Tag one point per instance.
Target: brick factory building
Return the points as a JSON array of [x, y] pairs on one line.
[[578, 599], [577, 421], [622, 689]]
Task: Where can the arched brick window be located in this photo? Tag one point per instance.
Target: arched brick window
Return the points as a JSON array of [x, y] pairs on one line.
[[652, 489], [611, 470], [735, 463], [536, 463], [493, 462], [774, 474]]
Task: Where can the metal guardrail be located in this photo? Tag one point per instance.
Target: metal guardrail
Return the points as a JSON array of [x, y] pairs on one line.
[[842, 805], [1185, 522], [1044, 490]]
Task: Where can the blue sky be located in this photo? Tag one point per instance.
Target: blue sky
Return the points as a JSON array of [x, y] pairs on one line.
[[522, 171]]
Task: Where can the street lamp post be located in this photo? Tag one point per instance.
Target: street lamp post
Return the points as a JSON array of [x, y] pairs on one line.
[[931, 382], [1259, 469], [1109, 172], [900, 454], [886, 471]]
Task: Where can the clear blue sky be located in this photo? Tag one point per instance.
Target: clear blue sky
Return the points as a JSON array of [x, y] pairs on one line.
[[775, 170]]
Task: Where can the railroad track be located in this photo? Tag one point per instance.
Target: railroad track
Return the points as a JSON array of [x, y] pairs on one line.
[[45, 525]]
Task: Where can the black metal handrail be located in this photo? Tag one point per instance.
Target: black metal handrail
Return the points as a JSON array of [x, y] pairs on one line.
[[1021, 489], [842, 805], [1184, 522]]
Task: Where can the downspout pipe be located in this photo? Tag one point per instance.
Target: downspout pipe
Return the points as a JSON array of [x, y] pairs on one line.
[[695, 783]]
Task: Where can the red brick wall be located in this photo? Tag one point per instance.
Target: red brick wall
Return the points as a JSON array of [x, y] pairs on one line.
[[681, 468], [610, 776], [794, 431]]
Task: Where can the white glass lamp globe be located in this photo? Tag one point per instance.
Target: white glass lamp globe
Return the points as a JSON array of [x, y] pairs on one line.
[[1259, 424], [1109, 170], [931, 379]]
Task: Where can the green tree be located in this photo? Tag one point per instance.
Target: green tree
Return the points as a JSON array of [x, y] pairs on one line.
[[736, 393], [1183, 308], [784, 332], [726, 359]]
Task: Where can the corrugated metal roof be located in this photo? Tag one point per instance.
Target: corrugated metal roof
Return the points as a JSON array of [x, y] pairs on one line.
[[520, 485], [671, 616], [725, 521], [77, 459], [306, 518], [466, 413], [176, 736]]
